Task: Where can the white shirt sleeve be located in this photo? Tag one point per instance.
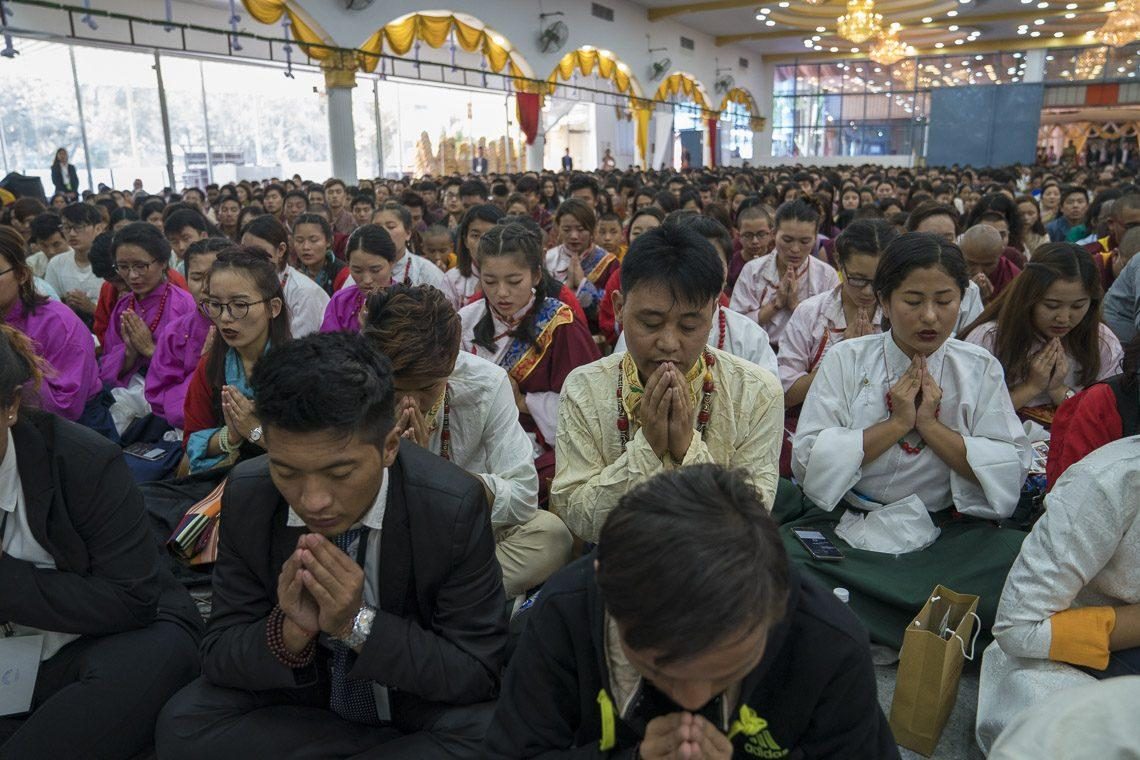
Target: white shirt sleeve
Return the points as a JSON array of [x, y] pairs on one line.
[[797, 346], [509, 458], [543, 408], [745, 296], [970, 308], [306, 306]]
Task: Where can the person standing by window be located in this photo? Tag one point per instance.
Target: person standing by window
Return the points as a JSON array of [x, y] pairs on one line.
[[64, 176]]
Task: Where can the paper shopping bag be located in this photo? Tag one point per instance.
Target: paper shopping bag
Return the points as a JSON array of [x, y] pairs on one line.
[[930, 666]]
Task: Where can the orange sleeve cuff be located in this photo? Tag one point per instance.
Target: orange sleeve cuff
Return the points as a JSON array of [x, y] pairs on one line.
[[1080, 636]]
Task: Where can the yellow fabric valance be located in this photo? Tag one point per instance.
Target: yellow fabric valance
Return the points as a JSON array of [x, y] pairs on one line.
[[743, 97], [681, 83], [271, 11], [434, 29], [586, 60]]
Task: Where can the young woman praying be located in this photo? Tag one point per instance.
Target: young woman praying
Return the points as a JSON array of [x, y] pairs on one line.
[[371, 254]]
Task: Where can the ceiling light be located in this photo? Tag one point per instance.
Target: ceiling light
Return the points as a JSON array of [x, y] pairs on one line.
[[953, 27], [769, 22], [1042, 6], [808, 43], [1071, 7], [815, 38], [860, 22], [765, 11], [821, 28], [1070, 15], [946, 65], [1035, 34], [939, 45], [1058, 35], [1122, 25], [1022, 30], [952, 14], [784, 4], [854, 50], [1038, 21], [927, 19]]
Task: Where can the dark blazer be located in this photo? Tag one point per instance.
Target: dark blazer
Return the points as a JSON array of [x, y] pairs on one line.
[[441, 630], [479, 165], [84, 509], [58, 179]]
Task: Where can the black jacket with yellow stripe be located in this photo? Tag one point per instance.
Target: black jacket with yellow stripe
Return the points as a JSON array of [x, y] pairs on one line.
[[813, 694]]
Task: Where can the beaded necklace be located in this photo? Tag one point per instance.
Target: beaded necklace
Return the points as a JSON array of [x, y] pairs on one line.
[[445, 429], [708, 388], [723, 328], [153, 324]]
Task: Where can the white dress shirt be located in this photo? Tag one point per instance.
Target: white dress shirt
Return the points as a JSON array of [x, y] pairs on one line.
[[19, 543], [849, 395], [64, 275], [306, 301], [487, 439], [816, 326]]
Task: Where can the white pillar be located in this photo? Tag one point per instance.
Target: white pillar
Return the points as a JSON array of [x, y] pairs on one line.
[[536, 152], [340, 78], [1034, 66], [762, 141]]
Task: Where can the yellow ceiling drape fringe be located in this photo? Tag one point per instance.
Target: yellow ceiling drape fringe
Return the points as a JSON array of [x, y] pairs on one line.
[[743, 97], [271, 11], [400, 37], [586, 60], [685, 84]]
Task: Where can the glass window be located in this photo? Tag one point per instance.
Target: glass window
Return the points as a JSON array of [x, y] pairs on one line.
[[785, 80]]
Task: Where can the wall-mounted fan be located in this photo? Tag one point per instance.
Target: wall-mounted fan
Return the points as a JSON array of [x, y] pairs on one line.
[[357, 5], [724, 83], [553, 36], [659, 69]]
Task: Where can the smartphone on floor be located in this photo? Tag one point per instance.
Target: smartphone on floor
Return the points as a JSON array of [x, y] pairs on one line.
[[817, 544]]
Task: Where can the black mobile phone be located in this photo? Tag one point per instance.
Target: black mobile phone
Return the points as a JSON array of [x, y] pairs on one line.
[[817, 544], [147, 451]]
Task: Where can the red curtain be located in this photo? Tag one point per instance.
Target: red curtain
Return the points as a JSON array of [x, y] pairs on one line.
[[712, 141], [528, 105]]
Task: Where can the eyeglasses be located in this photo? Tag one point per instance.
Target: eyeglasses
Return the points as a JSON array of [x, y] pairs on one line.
[[136, 267], [67, 229], [859, 283], [237, 310], [6, 271], [750, 236]]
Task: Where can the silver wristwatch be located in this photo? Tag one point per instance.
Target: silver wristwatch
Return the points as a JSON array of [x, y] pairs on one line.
[[255, 434], [361, 627]]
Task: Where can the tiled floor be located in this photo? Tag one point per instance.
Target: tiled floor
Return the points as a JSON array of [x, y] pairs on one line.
[[957, 742]]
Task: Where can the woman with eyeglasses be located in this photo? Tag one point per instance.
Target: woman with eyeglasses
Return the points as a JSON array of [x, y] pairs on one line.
[[141, 254], [245, 301], [180, 347]]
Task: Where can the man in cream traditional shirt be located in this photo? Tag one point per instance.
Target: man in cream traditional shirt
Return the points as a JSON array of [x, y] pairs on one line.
[[670, 400], [463, 409]]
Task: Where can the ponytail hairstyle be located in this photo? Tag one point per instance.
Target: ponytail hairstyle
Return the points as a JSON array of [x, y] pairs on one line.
[[19, 364], [484, 212], [517, 240], [258, 266], [1013, 309], [799, 210], [12, 253]]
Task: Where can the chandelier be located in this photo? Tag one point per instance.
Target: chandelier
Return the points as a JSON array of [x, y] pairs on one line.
[[1122, 25], [815, 2], [861, 23], [888, 49], [1090, 63]]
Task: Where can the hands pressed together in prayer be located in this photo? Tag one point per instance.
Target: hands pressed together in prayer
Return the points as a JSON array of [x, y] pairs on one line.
[[859, 326], [137, 337], [79, 301], [984, 285], [915, 398], [684, 736], [667, 412], [1048, 370], [238, 414], [411, 423], [788, 291], [320, 589]]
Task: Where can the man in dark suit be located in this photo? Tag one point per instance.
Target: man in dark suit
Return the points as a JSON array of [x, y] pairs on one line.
[[357, 599], [567, 162], [479, 163]]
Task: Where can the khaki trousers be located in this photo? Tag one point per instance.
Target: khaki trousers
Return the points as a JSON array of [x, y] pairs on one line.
[[532, 552]]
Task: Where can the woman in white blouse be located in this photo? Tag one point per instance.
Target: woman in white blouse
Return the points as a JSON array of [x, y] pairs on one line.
[[913, 432]]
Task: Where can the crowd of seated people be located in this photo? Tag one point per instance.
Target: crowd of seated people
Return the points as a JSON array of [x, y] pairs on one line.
[[513, 465]]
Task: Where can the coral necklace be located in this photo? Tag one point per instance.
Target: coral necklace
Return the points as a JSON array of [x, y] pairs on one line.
[[723, 328], [702, 417], [153, 324]]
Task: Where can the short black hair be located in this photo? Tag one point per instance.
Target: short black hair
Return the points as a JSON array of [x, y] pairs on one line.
[[690, 557], [527, 184], [711, 230], [583, 182], [326, 382], [44, 225], [867, 236], [179, 220], [919, 250], [203, 246], [102, 257], [473, 187], [81, 214], [678, 258]]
